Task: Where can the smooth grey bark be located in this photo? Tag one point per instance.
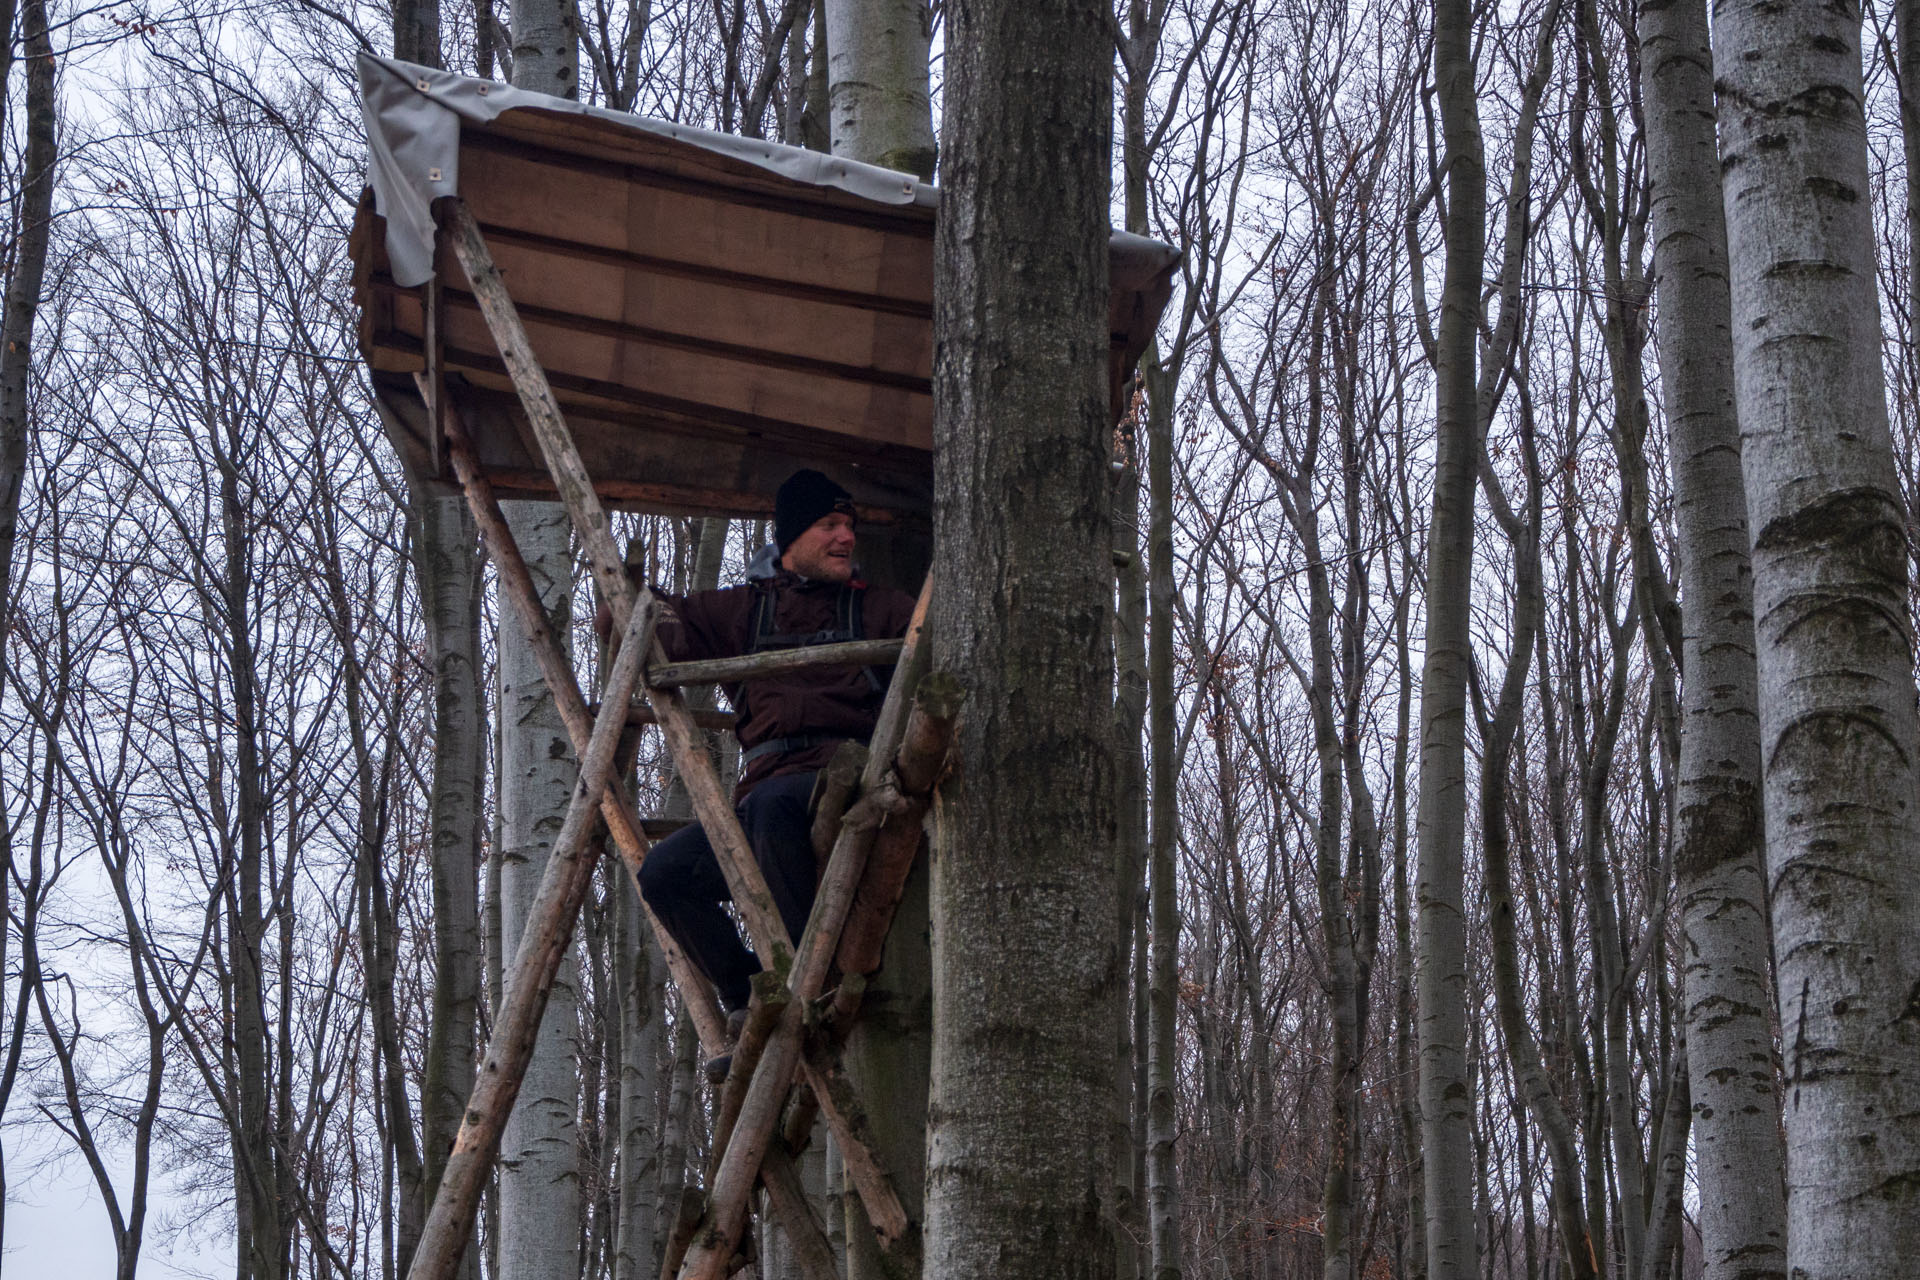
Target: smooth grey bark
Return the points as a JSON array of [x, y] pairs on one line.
[[1019, 1163], [539, 1159], [877, 85], [447, 564], [546, 47], [641, 1028], [538, 1233], [1440, 978], [1838, 732], [1721, 840]]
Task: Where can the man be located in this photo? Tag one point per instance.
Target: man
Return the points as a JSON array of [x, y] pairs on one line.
[[800, 591]]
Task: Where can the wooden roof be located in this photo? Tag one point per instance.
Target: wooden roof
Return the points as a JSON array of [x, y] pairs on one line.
[[708, 322]]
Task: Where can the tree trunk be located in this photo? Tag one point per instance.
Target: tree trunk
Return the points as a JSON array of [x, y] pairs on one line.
[[878, 88], [1838, 732], [1446, 1097], [1721, 837], [546, 47], [636, 963], [1019, 1162], [539, 1174], [28, 272], [448, 568], [877, 83]]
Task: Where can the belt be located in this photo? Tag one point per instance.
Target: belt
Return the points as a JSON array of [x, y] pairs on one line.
[[788, 746]]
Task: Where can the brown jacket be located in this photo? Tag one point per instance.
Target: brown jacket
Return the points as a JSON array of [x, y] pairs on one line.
[[832, 702]]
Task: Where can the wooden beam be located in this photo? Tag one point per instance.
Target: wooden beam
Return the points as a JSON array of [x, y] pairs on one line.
[[794, 1208], [652, 264], [754, 666], [549, 426], [543, 944], [623, 820]]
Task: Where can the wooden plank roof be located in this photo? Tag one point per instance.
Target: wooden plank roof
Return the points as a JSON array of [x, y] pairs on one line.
[[712, 311]]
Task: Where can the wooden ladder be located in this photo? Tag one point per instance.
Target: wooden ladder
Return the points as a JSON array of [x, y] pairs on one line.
[[786, 1067]]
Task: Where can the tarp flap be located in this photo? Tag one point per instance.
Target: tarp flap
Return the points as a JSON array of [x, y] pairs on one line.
[[413, 116]]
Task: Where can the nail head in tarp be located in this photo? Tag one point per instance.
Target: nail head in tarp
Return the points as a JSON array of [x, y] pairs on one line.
[[712, 311]]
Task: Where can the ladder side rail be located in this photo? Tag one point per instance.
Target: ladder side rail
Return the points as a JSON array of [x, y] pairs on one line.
[[623, 819], [563, 887], [710, 803]]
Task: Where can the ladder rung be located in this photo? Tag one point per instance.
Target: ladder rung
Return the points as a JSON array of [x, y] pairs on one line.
[[641, 713], [656, 829], [855, 653]]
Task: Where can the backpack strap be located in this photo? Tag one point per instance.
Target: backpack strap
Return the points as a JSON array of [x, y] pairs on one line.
[[850, 623]]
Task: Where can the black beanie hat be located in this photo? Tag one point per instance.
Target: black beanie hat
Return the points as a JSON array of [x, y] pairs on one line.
[[807, 496]]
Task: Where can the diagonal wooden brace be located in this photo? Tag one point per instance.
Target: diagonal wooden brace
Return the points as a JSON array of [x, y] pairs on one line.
[[623, 820], [710, 803], [563, 887]]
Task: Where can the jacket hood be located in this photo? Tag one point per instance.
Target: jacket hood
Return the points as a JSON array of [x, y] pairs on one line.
[[765, 567], [765, 563]]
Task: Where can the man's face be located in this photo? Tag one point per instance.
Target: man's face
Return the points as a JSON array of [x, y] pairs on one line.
[[825, 551]]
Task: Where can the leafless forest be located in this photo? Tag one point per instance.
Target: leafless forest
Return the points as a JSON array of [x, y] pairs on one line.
[[1446, 911]]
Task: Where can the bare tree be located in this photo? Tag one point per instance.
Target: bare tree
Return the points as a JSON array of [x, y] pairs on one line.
[[1838, 732], [1019, 1172], [1720, 880]]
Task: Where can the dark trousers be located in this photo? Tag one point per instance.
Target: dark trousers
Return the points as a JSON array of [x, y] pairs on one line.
[[682, 882]]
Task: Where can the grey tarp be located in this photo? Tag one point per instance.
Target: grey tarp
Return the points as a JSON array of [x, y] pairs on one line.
[[711, 310]]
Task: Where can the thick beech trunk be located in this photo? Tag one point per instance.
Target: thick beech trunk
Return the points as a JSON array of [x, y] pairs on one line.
[[1839, 741], [1721, 836], [1019, 1168], [877, 83], [539, 1158]]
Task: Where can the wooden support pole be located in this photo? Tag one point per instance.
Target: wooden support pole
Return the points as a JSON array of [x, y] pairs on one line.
[[575, 488], [853, 1136], [838, 782], [563, 887], [791, 1206], [770, 1000], [623, 820], [853, 653], [923, 755]]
